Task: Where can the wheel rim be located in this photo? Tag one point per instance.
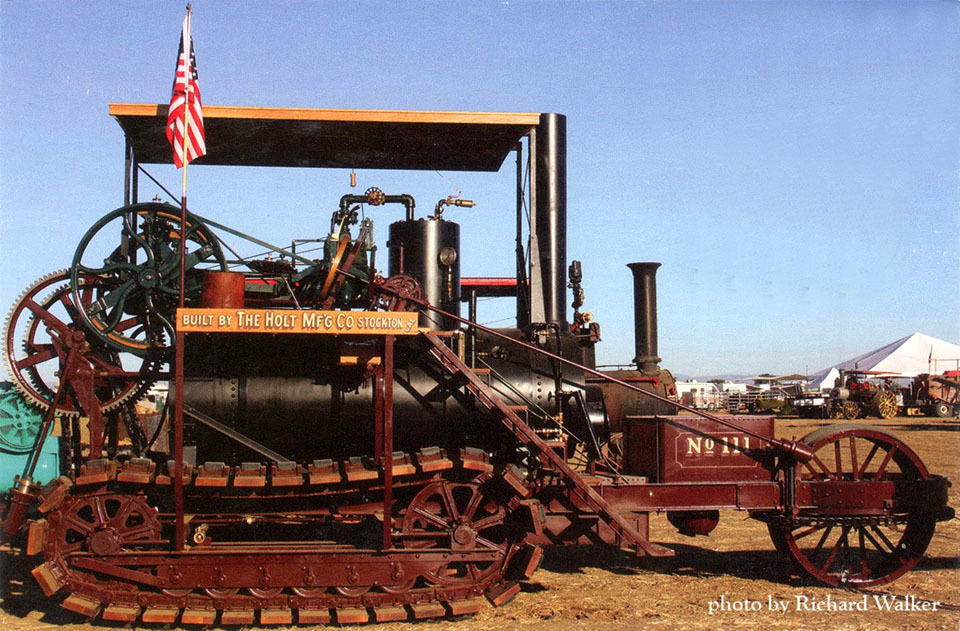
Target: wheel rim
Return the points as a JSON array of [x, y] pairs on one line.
[[134, 303], [856, 549]]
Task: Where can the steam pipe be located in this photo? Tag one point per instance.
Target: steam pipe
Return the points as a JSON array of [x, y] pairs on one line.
[[405, 199], [645, 315]]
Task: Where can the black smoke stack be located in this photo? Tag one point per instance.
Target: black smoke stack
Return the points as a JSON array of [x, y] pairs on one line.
[[551, 214], [645, 314]]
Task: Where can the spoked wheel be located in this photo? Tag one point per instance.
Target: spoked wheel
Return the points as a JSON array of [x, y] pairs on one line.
[[43, 323], [20, 422], [105, 524], [886, 404], [461, 516], [138, 281], [851, 410], [843, 544]]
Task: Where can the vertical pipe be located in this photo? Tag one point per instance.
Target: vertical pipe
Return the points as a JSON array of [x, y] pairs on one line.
[[523, 300], [551, 211], [128, 171], [387, 439], [472, 332], [645, 314], [535, 290], [178, 529], [135, 181], [378, 448]]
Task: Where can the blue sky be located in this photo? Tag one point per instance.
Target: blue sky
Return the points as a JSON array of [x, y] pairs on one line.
[[794, 166]]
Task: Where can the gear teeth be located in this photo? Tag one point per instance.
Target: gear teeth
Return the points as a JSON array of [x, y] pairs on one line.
[[31, 384], [27, 385]]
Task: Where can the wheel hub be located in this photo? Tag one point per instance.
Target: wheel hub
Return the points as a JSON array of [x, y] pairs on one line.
[[104, 542], [464, 536], [148, 278]]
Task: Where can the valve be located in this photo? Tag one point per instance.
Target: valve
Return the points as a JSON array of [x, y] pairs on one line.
[[451, 201]]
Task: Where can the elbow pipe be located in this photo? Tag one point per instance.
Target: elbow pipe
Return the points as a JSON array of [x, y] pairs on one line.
[[407, 200]]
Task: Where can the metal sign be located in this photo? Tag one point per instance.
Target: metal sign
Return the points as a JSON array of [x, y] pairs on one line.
[[291, 321]]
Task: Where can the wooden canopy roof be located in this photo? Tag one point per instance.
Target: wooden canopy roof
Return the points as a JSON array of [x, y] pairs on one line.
[[306, 137]]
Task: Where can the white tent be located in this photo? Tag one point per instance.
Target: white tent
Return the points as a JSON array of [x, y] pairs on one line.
[[908, 356]]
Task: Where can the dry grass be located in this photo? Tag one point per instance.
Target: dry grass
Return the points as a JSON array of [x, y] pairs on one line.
[[591, 588]]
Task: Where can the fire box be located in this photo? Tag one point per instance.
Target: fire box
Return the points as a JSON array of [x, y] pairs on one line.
[[694, 449]]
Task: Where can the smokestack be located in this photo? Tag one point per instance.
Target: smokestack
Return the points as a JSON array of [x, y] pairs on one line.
[[645, 314], [551, 213]]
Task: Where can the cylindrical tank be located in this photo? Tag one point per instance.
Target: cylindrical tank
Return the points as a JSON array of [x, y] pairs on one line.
[[293, 395], [429, 251], [222, 290]]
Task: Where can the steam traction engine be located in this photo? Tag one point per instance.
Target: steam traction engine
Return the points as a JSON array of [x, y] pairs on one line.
[[344, 445]]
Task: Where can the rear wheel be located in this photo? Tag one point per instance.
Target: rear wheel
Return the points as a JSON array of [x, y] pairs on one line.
[[942, 409]]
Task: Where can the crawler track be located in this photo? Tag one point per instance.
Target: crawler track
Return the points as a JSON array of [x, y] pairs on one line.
[[105, 543]]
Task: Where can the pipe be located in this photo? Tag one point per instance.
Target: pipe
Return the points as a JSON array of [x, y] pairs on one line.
[[794, 448], [645, 315], [551, 211], [405, 199]]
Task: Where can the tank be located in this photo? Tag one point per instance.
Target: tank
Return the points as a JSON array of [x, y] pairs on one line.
[[429, 251]]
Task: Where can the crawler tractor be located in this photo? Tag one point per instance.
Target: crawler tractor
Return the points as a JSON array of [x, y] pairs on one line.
[[342, 444]]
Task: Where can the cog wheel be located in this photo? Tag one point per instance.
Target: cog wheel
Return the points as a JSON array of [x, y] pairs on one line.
[[20, 422], [35, 345]]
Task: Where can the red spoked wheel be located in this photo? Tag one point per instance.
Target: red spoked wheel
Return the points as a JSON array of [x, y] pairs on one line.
[[105, 524], [845, 545], [461, 516]]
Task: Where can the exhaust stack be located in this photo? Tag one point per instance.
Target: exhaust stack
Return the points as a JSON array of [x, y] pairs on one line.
[[645, 315]]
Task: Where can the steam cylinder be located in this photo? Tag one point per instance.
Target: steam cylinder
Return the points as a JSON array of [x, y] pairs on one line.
[[423, 249]]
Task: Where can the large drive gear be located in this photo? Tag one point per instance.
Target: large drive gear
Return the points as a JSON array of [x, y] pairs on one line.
[[34, 351]]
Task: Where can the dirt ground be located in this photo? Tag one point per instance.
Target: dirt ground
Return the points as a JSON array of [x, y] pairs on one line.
[[593, 588]]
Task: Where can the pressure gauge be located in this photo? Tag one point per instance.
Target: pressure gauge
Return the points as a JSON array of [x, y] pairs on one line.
[[448, 256]]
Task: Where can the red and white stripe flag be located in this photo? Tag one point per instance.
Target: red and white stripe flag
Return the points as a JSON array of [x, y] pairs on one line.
[[186, 94]]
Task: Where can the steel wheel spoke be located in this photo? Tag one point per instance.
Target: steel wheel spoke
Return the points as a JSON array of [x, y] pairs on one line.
[[430, 517], [493, 520], [807, 532], [853, 458], [822, 541], [825, 468], [142, 531], [471, 508], [78, 524], [882, 469], [37, 358], [833, 552], [869, 458], [486, 543], [891, 549], [446, 491]]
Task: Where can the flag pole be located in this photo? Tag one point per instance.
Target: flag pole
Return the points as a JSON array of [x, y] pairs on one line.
[[179, 539]]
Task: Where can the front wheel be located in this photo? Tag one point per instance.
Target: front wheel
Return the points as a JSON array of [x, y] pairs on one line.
[[839, 544]]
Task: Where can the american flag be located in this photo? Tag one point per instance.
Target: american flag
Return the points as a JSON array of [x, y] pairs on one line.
[[178, 100]]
